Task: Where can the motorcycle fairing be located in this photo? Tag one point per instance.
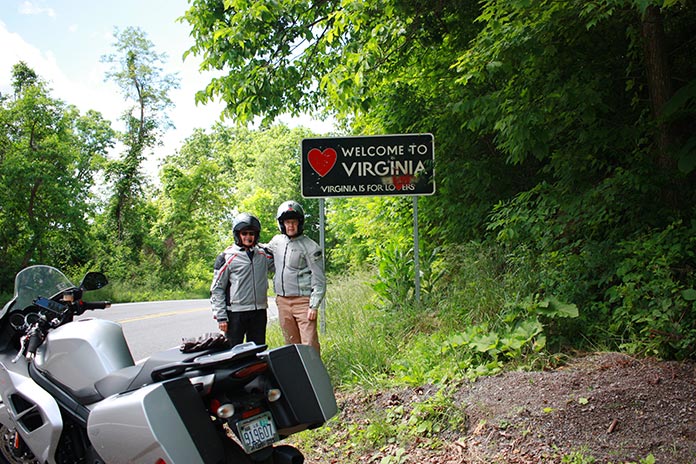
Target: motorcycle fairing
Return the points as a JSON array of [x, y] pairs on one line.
[[32, 411], [164, 420]]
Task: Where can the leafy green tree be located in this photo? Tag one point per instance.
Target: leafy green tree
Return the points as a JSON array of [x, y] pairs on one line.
[[585, 96], [136, 69], [216, 175], [49, 155], [267, 166], [298, 57], [189, 204], [22, 77]]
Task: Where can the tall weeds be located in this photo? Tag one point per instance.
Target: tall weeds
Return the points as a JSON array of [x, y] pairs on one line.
[[354, 346], [478, 312]]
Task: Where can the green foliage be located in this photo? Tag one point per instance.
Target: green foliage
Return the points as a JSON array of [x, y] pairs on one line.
[[357, 227], [189, 203], [629, 281], [501, 328], [264, 169], [187, 222], [395, 276], [135, 67], [577, 458], [581, 458], [279, 53], [49, 154], [128, 217], [395, 282], [364, 345], [521, 335], [390, 430], [373, 345], [652, 297]]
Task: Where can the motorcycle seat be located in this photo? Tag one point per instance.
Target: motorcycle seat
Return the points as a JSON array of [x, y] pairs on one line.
[[169, 364], [133, 377]]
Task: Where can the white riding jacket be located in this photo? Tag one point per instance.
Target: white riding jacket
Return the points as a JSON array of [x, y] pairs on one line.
[[299, 268]]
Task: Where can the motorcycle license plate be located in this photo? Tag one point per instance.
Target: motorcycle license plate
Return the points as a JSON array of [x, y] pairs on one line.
[[257, 432]]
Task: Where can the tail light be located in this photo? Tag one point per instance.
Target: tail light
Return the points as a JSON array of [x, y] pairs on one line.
[[251, 413], [249, 370]]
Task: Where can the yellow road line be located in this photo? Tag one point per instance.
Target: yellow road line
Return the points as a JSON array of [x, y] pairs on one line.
[[156, 315]]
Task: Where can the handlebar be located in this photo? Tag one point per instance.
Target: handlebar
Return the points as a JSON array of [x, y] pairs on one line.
[[35, 340], [95, 304]]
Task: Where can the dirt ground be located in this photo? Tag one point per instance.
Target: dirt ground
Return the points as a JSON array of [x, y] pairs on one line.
[[611, 407]]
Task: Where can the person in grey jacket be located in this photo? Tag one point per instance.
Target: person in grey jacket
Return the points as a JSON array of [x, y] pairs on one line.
[[299, 281], [238, 294]]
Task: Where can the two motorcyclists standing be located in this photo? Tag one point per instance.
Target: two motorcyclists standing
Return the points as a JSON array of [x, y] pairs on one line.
[[240, 282]]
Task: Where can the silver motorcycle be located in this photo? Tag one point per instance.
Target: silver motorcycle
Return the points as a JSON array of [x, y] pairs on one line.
[[71, 393]]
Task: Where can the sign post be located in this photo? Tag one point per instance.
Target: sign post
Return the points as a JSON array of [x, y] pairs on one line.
[[383, 165]]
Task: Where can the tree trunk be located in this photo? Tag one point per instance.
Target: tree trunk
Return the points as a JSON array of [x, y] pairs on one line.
[[659, 81]]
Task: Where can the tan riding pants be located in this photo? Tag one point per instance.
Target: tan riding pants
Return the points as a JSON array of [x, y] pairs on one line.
[[297, 328]]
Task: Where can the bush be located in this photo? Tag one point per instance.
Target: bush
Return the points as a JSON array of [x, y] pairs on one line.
[[653, 300]]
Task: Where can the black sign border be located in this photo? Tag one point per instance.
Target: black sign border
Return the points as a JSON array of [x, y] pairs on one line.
[[304, 163]]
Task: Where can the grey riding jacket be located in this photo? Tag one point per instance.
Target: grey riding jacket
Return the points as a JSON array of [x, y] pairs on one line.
[[299, 268], [240, 283]]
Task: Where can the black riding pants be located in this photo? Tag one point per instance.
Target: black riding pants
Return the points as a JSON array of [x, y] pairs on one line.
[[251, 324]]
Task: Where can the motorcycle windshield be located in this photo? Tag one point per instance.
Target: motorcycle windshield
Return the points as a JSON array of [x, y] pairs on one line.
[[36, 281]]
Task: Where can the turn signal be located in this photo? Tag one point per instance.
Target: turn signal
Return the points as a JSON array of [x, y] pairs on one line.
[[273, 395], [225, 411]]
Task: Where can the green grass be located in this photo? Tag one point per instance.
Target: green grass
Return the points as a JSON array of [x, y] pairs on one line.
[[354, 346]]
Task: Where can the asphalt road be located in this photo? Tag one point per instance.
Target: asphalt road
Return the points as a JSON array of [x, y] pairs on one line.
[[156, 326]]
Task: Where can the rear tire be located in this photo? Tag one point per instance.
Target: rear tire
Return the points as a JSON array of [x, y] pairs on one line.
[[286, 454], [280, 454]]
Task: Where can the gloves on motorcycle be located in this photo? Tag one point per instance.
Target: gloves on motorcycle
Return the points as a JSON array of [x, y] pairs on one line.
[[208, 341]]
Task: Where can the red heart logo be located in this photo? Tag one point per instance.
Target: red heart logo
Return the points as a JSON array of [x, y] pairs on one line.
[[322, 161]]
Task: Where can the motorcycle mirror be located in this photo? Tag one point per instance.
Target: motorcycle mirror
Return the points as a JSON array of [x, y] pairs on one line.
[[94, 281], [17, 321]]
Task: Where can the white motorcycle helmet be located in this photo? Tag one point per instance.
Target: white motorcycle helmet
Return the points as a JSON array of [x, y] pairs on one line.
[[290, 210]]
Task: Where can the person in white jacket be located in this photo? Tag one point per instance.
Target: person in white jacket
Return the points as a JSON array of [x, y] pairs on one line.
[[299, 281], [238, 294]]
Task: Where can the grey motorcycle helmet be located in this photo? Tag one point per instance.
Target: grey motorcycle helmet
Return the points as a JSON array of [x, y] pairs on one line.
[[245, 221], [290, 210]]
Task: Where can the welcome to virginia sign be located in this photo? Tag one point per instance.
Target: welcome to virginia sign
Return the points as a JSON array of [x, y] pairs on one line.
[[370, 165]]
